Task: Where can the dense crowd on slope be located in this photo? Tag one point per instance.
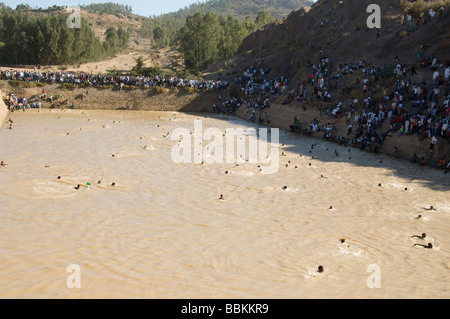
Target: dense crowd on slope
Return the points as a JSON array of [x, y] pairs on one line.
[[412, 105]]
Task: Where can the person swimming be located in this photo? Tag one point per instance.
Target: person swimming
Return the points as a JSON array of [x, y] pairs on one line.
[[320, 269], [77, 187], [429, 209], [419, 217], [423, 236], [284, 188], [113, 184], [2, 164], [221, 197]]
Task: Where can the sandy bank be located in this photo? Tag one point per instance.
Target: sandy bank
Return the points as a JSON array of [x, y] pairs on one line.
[[3, 111]]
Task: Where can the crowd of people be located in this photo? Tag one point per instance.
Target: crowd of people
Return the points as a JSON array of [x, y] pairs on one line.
[[410, 106], [15, 103], [83, 78]]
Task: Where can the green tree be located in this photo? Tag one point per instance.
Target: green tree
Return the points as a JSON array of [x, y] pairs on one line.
[[199, 40], [138, 69]]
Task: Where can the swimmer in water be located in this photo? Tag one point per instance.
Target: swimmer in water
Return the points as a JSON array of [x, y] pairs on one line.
[[221, 197], [419, 217], [320, 269], [428, 209], [59, 177], [77, 187], [429, 246], [113, 184], [2, 164], [423, 236], [321, 176], [284, 188]]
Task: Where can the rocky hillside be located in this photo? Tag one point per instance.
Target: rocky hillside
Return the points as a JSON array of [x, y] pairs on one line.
[[287, 45]]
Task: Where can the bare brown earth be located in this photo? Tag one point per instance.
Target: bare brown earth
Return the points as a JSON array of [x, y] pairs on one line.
[[167, 59], [286, 45], [107, 99]]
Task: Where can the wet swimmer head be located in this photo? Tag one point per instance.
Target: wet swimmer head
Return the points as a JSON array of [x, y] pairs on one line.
[[221, 197], [320, 269], [431, 208], [77, 187], [2, 164]]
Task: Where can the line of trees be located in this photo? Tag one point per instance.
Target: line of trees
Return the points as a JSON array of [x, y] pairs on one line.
[[207, 38], [46, 39], [109, 7], [164, 29]]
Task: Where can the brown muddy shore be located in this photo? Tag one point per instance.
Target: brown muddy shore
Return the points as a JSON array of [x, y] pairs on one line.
[[279, 116]]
